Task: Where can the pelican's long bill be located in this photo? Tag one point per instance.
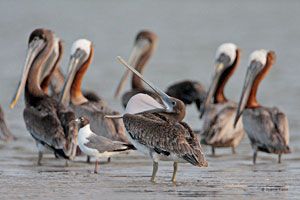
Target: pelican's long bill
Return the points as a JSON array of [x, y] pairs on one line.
[[252, 72], [167, 101], [75, 63], [33, 50], [137, 51], [212, 89]]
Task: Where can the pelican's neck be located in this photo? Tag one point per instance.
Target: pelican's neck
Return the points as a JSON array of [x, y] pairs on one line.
[[57, 81], [219, 96], [136, 82], [46, 82], [77, 97], [33, 84], [178, 114], [252, 101]]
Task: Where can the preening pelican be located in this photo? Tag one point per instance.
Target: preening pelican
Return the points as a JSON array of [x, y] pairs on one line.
[[157, 130]]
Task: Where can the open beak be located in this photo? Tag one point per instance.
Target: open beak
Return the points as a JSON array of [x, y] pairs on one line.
[[212, 89], [74, 65], [33, 50], [252, 72], [168, 103], [137, 51]]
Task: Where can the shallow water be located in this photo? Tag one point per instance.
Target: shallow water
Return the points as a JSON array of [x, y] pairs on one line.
[[189, 34]]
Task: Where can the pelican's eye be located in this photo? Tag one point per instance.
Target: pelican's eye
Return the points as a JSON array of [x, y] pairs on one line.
[[174, 103]]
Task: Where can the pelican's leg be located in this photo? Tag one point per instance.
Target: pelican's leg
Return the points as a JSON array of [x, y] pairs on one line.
[[66, 163], [88, 159], [41, 150], [279, 158], [96, 166], [254, 156], [175, 167], [233, 150], [39, 162], [108, 160], [56, 156], [155, 168], [213, 151]]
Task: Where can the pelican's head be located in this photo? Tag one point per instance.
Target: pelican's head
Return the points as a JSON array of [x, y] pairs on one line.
[[144, 45], [259, 63], [36, 44], [81, 56], [170, 105], [226, 56]]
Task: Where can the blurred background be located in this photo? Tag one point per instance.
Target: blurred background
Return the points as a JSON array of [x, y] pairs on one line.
[[189, 34]]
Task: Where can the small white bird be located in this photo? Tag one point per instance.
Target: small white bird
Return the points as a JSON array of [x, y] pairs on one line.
[[98, 146]]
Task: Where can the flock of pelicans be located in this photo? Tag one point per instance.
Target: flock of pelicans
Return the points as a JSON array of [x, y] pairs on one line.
[[60, 116]]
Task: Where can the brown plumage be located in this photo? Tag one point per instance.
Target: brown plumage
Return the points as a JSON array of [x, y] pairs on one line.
[[218, 111], [267, 128], [156, 129], [50, 123], [95, 111]]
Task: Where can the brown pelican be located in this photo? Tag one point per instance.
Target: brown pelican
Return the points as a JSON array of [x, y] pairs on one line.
[[6, 134], [57, 78], [144, 46], [48, 121], [219, 114], [96, 145], [157, 130], [267, 128], [81, 56]]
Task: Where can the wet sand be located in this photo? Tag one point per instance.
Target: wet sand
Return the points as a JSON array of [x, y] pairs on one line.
[[127, 177], [189, 34]]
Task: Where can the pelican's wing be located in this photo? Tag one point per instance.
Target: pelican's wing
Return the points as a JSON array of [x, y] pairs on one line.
[[92, 96], [188, 92], [218, 127], [67, 120], [103, 144], [165, 138], [43, 124], [267, 129]]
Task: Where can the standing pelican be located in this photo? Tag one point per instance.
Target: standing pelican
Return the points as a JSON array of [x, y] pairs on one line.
[[218, 115], [267, 128], [6, 134], [48, 121], [157, 130], [144, 46], [57, 78], [81, 57]]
